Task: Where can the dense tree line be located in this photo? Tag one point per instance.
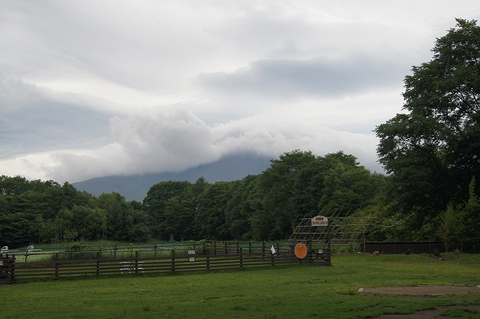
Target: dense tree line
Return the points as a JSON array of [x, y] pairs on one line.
[[260, 207], [46, 212], [266, 206]]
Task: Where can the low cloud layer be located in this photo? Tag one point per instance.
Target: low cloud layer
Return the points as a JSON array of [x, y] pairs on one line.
[[178, 140]]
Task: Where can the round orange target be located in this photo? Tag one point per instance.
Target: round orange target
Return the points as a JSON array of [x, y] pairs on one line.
[[300, 251]]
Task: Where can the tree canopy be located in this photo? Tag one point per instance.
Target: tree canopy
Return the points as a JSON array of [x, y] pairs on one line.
[[432, 149]]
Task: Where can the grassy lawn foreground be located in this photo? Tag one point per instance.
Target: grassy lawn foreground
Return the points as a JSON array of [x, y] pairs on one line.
[[306, 291]]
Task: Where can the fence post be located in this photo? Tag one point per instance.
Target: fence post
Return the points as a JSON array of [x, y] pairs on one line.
[[155, 250], [208, 261], [56, 265], [226, 249], [136, 262], [263, 250], [12, 268], [98, 263], [241, 257], [272, 259], [115, 252], [173, 260], [249, 247], [214, 247]]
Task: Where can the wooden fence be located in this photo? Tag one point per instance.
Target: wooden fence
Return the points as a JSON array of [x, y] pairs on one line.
[[401, 248], [212, 257]]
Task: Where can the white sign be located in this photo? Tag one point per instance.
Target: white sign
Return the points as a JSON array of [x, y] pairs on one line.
[[319, 221], [191, 255]]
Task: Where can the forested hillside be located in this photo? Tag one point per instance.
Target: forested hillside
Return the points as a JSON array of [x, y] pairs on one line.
[[135, 187]]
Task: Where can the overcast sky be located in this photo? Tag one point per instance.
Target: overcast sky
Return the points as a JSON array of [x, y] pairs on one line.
[[96, 88]]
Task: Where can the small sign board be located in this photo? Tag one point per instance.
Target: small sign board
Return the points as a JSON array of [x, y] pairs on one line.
[[319, 221], [300, 251], [191, 255]]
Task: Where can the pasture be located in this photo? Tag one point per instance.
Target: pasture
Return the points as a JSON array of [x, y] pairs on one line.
[[299, 291]]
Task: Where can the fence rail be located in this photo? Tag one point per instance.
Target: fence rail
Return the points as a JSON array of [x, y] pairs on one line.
[[401, 248], [214, 256], [145, 250]]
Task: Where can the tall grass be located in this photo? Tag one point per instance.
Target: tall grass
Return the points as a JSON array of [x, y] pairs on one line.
[[305, 291]]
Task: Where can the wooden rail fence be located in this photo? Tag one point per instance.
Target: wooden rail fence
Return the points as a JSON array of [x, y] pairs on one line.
[[213, 257], [401, 248]]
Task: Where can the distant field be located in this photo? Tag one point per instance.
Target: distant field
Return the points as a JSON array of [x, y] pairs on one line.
[[305, 291]]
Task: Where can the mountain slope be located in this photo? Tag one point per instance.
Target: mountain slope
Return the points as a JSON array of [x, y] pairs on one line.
[[135, 187]]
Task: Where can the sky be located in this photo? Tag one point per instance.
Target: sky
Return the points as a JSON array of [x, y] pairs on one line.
[[96, 88]]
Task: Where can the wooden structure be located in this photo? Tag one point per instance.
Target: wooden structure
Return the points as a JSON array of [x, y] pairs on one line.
[[343, 230], [7, 269], [212, 256], [315, 233]]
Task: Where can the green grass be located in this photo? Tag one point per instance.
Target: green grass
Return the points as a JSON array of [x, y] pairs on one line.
[[305, 291], [460, 313]]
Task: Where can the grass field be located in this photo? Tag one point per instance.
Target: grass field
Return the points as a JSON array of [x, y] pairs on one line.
[[304, 291]]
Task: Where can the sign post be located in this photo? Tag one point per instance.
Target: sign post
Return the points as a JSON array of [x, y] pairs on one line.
[[319, 221]]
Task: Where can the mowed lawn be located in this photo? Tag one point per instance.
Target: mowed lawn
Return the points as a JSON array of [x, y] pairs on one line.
[[304, 291]]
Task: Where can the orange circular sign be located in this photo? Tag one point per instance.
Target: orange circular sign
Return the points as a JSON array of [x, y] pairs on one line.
[[300, 251]]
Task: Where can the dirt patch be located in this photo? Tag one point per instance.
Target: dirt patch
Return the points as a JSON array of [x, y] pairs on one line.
[[422, 290], [425, 291], [429, 314]]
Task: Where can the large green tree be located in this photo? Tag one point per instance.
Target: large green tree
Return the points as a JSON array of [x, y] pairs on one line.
[[210, 216], [171, 206], [432, 149], [278, 184]]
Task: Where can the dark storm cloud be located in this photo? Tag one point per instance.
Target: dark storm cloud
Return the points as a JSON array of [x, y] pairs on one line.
[[31, 121], [315, 77]]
